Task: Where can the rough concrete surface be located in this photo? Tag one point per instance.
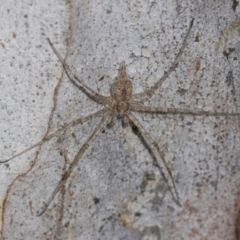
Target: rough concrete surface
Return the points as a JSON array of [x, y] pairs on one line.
[[117, 191]]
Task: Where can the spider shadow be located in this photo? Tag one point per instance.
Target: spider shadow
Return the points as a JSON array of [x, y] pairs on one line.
[[136, 131]]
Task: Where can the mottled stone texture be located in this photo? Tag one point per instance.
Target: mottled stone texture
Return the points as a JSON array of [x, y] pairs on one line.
[[117, 191]]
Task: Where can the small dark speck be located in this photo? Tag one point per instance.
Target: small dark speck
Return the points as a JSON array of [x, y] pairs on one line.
[[181, 91], [103, 131], [150, 176], [228, 52], [138, 214], [234, 5], [196, 39], [14, 35], [101, 228], [230, 81], [25, 15], [96, 200], [229, 78], [100, 79], [66, 224], [73, 135], [135, 129], [3, 46], [61, 152]]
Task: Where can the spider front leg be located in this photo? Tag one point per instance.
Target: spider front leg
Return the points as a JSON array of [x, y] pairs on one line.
[[149, 93], [140, 108], [77, 82], [105, 120], [56, 133], [160, 153]]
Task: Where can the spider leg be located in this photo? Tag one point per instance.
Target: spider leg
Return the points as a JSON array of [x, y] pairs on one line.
[[77, 82], [67, 126], [149, 93], [141, 108], [160, 153], [105, 120]]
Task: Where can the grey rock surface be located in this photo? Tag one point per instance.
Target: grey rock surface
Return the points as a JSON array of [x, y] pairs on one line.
[[117, 191]]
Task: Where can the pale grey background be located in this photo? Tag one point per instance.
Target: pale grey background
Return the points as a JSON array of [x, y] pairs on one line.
[[117, 192]]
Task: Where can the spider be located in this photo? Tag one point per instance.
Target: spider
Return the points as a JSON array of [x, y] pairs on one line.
[[119, 106]]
